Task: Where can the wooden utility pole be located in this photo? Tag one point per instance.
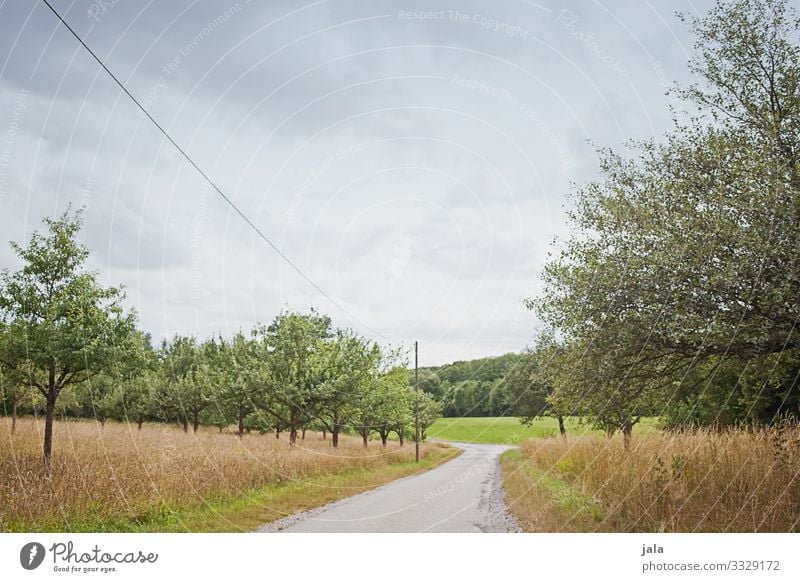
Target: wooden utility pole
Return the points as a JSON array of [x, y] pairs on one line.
[[416, 402]]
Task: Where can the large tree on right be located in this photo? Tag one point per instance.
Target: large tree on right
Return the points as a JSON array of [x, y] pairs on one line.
[[687, 257]]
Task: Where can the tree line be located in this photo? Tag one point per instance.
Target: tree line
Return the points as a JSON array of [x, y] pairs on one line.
[[474, 387], [68, 347], [678, 291]]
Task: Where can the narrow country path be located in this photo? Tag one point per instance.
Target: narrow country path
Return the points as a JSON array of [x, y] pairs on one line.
[[462, 495]]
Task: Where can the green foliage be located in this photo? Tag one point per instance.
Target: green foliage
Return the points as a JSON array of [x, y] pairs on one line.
[[60, 326], [471, 388], [136, 400], [13, 390], [235, 370], [349, 367], [98, 397], [429, 412], [68, 347], [678, 289], [391, 404], [56, 317], [508, 430], [526, 391], [293, 346]]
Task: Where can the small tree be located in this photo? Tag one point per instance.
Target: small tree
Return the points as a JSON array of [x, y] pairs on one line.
[[525, 392], [394, 404], [402, 419], [292, 368], [349, 363], [367, 414], [429, 411], [190, 386], [136, 398], [235, 365], [380, 402], [12, 390], [62, 326], [98, 397]]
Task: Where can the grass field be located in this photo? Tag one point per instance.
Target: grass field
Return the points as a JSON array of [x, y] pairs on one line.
[[115, 478], [509, 431], [707, 482]]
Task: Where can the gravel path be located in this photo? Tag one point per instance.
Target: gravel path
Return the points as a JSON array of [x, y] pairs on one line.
[[462, 495]]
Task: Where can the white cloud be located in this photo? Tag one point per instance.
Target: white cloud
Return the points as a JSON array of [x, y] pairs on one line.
[[416, 171]]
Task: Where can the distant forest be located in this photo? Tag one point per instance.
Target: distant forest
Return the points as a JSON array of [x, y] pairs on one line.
[[473, 388]]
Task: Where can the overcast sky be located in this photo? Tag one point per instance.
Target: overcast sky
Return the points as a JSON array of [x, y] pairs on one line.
[[415, 168]]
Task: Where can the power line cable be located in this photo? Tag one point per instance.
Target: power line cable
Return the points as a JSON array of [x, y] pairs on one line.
[[206, 177]]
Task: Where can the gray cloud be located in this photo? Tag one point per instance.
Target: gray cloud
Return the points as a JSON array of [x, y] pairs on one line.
[[417, 170]]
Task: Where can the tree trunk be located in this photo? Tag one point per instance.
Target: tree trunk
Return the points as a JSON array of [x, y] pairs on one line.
[[335, 431], [52, 394], [277, 433], [241, 421], [14, 416], [196, 421], [185, 423], [365, 437], [48, 425], [402, 435], [324, 433], [561, 428], [293, 425], [139, 424], [303, 434], [627, 430], [384, 436]]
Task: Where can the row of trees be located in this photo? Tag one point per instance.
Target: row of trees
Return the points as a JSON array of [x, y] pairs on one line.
[[474, 387], [67, 346], [679, 292]]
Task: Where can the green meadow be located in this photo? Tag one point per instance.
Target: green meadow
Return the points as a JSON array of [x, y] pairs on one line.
[[508, 430]]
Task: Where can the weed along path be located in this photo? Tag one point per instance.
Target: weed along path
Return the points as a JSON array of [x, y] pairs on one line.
[[462, 495]]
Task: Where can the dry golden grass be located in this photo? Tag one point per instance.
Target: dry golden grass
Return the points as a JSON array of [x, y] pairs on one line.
[[691, 482], [116, 475]]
